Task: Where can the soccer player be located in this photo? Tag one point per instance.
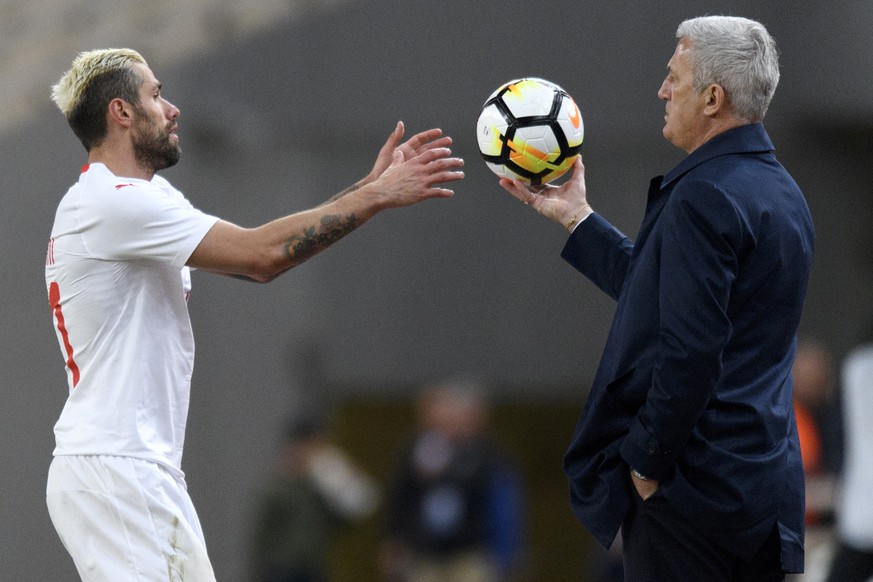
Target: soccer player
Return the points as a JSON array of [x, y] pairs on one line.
[[117, 274], [688, 442]]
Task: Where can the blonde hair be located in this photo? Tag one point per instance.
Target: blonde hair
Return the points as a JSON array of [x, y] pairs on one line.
[[96, 77]]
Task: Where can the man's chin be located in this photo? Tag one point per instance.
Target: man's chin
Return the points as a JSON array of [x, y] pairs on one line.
[[171, 159]]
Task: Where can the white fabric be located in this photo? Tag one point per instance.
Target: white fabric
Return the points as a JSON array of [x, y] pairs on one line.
[[855, 505], [118, 290], [349, 491], [123, 519]]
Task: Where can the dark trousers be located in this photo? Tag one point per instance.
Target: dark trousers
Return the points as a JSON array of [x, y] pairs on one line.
[[661, 546]]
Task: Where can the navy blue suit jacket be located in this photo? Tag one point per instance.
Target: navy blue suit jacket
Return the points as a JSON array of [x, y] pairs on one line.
[[694, 385]]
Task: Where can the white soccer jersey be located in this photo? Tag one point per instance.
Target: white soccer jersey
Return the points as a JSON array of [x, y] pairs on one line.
[[118, 290]]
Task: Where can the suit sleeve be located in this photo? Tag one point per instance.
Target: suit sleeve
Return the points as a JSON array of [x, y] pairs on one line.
[[600, 252], [698, 266]]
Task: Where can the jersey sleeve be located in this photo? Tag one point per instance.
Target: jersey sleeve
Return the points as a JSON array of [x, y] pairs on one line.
[[147, 220]]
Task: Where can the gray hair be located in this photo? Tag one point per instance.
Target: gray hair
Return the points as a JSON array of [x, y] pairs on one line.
[[738, 54]]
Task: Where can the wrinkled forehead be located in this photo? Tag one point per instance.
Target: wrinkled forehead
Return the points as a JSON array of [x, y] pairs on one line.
[[681, 58]]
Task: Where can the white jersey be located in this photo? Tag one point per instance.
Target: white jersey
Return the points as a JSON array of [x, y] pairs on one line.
[[118, 289]]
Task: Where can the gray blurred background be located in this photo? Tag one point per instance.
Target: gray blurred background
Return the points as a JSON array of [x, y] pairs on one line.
[[285, 103]]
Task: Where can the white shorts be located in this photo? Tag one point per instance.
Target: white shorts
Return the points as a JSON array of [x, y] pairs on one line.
[[125, 519]]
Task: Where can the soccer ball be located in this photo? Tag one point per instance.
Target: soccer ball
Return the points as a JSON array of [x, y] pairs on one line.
[[531, 130]]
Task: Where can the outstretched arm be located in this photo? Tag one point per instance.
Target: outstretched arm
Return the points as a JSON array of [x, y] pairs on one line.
[[416, 172]]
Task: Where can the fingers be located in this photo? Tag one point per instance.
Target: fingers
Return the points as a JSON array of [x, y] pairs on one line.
[[397, 134], [436, 157], [440, 193], [517, 189], [438, 163], [448, 176], [446, 164], [393, 139], [578, 171], [442, 142], [425, 141], [423, 138], [428, 160], [430, 155], [423, 176], [444, 170], [386, 152]]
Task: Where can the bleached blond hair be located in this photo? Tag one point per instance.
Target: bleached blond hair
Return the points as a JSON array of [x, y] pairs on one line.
[[95, 78]]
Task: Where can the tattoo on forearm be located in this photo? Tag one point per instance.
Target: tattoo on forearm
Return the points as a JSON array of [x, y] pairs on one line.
[[302, 247]]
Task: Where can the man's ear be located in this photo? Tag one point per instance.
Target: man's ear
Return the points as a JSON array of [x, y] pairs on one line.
[[716, 100], [121, 112]]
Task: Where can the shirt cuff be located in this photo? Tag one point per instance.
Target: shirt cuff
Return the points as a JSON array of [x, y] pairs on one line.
[[575, 226], [642, 451]]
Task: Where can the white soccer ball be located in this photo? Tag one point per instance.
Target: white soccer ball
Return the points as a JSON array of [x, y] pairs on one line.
[[530, 129]]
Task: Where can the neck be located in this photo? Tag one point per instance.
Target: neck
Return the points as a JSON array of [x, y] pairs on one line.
[[717, 127], [120, 161]]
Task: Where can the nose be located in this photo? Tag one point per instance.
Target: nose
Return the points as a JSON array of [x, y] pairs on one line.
[[663, 92], [172, 111]]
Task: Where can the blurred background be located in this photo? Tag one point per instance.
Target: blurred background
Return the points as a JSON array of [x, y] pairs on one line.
[[286, 102]]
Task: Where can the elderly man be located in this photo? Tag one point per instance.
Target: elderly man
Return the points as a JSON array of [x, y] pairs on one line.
[[688, 442]]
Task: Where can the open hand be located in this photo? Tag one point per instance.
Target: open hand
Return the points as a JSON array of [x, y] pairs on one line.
[[414, 146], [408, 181], [566, 204]]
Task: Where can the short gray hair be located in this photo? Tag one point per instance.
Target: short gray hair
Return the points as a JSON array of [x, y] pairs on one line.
[[738, 54]]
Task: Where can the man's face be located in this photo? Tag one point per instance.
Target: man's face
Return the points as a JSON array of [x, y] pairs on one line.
[[155, 143], [684, 121]]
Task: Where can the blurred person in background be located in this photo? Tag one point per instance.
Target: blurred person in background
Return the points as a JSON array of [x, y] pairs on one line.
[[853, 559], [814, 392], [455, 507], [315, 491]]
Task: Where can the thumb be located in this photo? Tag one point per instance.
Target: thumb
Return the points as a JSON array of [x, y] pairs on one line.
[[396, 135], [397, 158]]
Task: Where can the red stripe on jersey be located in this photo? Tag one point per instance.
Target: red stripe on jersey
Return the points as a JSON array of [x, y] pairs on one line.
[[55, 302]]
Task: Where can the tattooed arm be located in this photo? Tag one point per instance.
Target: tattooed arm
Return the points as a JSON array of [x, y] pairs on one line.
[[300, 248], [261, 254]]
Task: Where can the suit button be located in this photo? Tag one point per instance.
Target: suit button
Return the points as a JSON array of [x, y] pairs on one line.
[[652, 448]]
